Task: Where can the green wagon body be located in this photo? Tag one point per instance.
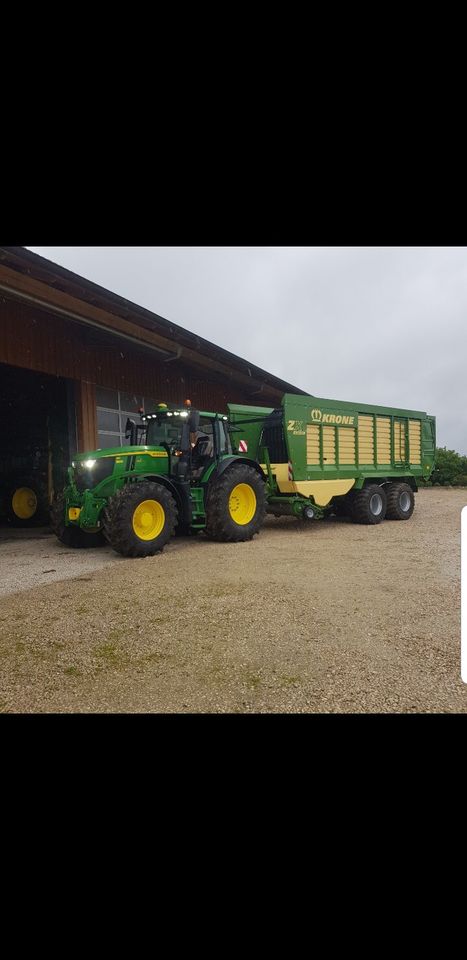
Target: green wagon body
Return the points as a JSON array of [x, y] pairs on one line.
[[321, 449]]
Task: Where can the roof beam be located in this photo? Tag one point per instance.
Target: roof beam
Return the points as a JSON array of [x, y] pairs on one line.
[[57, 301]]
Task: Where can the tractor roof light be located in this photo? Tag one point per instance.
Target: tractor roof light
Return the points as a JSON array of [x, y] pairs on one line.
[[89, 464], [183, 413]]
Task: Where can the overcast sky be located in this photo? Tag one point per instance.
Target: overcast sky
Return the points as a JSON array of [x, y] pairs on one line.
[[385, 325]]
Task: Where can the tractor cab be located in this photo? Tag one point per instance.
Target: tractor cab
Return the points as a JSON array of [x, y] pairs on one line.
[[193, 439]]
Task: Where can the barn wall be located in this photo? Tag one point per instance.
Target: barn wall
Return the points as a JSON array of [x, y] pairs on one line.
[[36, 340]]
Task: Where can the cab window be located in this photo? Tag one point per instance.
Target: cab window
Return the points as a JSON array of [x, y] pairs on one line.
[[164, 430], [225, 445]]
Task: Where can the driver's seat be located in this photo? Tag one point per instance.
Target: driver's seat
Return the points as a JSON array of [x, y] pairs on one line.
[[202, 452]]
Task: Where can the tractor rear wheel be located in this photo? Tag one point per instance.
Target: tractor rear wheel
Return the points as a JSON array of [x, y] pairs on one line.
[[369, 504], [236, 505], [26, 503], [140, 519], [401, 501], [72, 536]]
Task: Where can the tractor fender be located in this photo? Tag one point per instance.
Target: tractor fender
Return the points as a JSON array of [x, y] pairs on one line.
[[224, 465], [181, 497]]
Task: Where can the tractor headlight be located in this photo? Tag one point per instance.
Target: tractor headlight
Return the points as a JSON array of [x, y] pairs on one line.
[[89, 464]]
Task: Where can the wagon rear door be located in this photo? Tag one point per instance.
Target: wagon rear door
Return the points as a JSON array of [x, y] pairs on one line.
[[401, 442]]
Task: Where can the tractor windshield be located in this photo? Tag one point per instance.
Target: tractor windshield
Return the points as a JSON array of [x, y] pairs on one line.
[[163, 429]]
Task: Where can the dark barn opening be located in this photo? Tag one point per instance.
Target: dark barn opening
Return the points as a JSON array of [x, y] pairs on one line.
[[34, 424]]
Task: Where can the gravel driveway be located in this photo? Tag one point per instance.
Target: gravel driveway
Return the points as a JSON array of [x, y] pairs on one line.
[[30, 558], [327, 617]]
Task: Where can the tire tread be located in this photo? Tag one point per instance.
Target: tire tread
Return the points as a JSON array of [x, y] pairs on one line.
[[117, 519], [219, 525]]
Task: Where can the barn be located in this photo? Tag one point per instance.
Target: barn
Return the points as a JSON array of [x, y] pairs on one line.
[[76, 360]]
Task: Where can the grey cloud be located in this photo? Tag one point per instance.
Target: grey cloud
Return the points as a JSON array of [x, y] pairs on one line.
[[373, 324]]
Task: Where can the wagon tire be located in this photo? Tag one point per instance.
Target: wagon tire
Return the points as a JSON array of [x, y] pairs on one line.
[[368, 505], [401, 501]]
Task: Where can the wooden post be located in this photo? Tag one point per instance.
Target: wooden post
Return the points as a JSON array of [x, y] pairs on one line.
[[86, 415]]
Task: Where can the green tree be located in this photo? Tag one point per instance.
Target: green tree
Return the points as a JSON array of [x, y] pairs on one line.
[[450, 468]]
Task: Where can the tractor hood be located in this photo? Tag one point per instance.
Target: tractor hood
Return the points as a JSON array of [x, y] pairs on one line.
[[90, 455], [94, 469]]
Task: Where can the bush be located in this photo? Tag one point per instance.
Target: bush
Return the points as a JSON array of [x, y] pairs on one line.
[[450, 468]]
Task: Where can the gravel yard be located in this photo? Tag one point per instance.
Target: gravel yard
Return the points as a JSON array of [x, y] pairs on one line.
[[326, 617]]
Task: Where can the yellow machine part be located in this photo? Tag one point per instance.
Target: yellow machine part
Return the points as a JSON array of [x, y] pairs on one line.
[[322, 490], [242, 504], [24, 503], [148, 519]]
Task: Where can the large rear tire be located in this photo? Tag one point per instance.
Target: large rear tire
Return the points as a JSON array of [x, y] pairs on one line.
[[236, 505], [369, 504], [401, 501], [140, 519], [26, 503], [72, 536]]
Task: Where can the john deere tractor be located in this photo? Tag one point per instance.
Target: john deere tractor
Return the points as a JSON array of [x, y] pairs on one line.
[[178, 474]]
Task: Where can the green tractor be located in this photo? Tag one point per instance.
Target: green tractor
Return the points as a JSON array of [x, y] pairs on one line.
[[178, 475]]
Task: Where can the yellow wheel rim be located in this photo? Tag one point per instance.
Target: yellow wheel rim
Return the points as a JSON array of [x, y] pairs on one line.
[[242, 504], [24, 503], [148, 519]]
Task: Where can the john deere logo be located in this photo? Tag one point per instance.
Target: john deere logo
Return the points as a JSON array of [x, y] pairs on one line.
[[318, 416]]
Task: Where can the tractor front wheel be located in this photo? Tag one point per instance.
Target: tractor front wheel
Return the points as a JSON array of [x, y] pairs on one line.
[[236, 505], [140, 519]]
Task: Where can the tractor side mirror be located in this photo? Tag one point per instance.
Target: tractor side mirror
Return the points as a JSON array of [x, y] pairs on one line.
[[185, 444], [193, 421], [190, 426], [130, 431]]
